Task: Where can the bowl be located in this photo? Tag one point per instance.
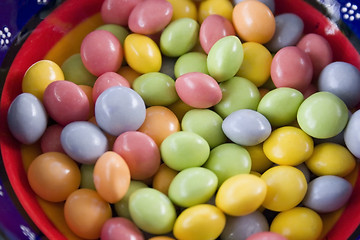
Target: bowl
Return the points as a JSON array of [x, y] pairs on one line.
[[59, 36]]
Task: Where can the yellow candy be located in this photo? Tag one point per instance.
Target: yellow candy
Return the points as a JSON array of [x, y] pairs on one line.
[[298, 223], [331, 159], [286, 188], [39, 76], [203, 221], [259, 162], [288, 146], [220, 7], [183, 9], [256, 64], [241, 194], [142, 54]]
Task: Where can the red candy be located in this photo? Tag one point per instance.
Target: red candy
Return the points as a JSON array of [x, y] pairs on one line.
[[212, 29], [101, 52], [50, 140], [107, 80], [117, 11], [198, 90], [291, 67], [120, 228], [150, 16], [140, 152], [66, 102], [318, 49]]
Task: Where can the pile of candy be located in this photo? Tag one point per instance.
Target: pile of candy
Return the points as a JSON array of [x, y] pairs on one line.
[[193, 120]]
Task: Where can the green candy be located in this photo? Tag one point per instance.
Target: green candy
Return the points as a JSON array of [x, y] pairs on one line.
[[238, 93], [191, 62], [87, 176], [119, 31], [206, 123], [75, 71], [280, 106], [122, 207], [193, 186], [227, 160], [152, 211], [156, 89], [322, 115], [183, 150], [225, 58], [179, 37]]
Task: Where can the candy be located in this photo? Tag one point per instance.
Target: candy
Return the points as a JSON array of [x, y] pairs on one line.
[[75, 71], [111, 106], [322, 115], [156, 88], [331, 159], [120, 228], [83, 141], [212, 7], [291, 67], [193, 186], [245, 226], [191, 62], [241, 194], [142, 54], [259, 162], [86, 212], [288, 146], [351, 137], [87, 180], [173, 41], [327, 194], [246, 127], [238, 93], [39, 75], [143, 20], [227, 160], [298, 223], [318, 49], [182, 150], [280, 106], [206, 123], [101, 52], [66, 102], [203, 221], [140, 153], [111, 176], [117, 12], [198, 90], [266, 236], [107, 80], [253, 21], [183, 9], [256, 63], [53, 176], [163, 178], [122, 207], [160, 122], [225, 58], [288, 31], [286, 188], [343, 80], [152, 211], [50, 140], [27, 118], [119, 32], [213, 28]]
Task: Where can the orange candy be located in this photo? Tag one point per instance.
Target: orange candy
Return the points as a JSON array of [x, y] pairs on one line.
[[159, 123], [111, 177], [253, 21], [54, 176], [88, 92], [163, 178], [86, 212]]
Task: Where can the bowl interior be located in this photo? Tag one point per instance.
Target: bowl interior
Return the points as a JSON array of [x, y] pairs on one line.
[[59, 36]]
